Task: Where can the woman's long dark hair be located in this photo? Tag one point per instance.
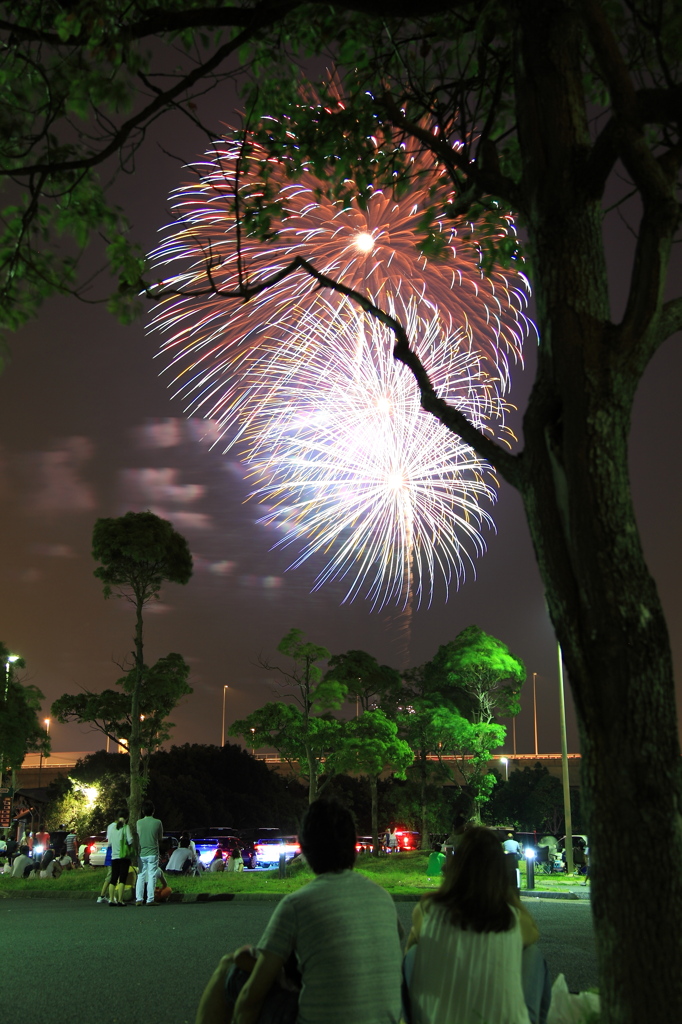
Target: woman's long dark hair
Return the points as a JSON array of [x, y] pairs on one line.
[[121, 819], [476, 890]]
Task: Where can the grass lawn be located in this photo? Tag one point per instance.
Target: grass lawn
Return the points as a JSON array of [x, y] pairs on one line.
[[404, 873]]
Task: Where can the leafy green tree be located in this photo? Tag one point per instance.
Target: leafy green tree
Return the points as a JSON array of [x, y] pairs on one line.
[[469, 745], [425, 692], [20, 730], [303, 732], [369, 685], [369, 745], [479, 665], [306, 742], [531, 799], [110, 711], [139, 552]]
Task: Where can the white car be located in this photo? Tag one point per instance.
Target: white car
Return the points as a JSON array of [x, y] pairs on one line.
[[97, 851], [268, 850]]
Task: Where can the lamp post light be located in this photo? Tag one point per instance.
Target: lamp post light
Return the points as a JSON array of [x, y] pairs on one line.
[[505, 762], [9, 661], [529, 854], [222, 734], [253, 749]]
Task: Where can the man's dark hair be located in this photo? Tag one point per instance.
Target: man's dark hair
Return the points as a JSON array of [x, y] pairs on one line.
[[328, 837], [147, 808], [24, 850]]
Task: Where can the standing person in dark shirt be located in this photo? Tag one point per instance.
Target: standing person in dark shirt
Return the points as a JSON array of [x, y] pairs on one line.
[[150, 833], [71, 843], [58, 838]]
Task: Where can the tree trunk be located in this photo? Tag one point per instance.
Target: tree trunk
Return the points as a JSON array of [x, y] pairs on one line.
[[312, 775], [573, 477], [374, 792], [136, 788], [425, 839], [610, 625]]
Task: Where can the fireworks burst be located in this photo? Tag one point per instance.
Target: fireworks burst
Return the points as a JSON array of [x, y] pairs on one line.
[[305, 386], [353, 468], [211, 343]]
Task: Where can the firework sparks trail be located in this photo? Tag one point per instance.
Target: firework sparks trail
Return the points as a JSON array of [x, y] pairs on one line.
[[211, 343], [306, 387], [353, 468]]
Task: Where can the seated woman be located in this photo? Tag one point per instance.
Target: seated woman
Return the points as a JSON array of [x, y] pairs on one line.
[[471, 953], [50, 866], [217, 864]]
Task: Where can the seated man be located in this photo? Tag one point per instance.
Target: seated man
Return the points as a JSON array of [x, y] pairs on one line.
[[343, 930], [182, 859], [23, 865]]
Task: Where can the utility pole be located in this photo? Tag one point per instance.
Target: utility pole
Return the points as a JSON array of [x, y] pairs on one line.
[[568, 847]]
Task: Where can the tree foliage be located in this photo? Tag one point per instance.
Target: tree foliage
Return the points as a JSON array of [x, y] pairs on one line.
[[165, 684], [368, 684], [305, 743], [20, 729], [532, 800], [302, 731], [368, 746], [479, 664]]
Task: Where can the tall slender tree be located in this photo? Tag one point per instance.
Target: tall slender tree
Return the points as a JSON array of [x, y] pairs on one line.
[[139, 552]]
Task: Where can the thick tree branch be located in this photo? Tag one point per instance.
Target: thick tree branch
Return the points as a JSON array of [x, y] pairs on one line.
[[654, 106], [670, 320], [506, 464], [156, 22]]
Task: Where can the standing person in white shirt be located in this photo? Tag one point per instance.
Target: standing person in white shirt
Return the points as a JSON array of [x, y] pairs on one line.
[[150, 834], [120, 839]]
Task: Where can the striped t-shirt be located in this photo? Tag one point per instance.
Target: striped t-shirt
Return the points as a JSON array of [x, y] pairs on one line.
[[344, 931]]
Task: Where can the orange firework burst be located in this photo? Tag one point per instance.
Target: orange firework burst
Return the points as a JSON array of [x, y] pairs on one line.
[[212, 342]]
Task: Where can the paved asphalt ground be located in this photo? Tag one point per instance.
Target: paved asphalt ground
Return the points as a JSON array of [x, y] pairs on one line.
[[74, 960]]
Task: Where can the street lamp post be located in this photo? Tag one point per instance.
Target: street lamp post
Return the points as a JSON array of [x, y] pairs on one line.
[[568, 820], [253, 749], [535, 713], [222, 734], [11, 658], [505, 762]]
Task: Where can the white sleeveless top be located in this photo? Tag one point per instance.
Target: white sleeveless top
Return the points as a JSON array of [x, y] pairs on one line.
[[466, 977]]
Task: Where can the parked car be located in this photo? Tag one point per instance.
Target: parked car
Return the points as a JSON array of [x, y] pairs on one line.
[[269, 849], [97, 850], [226, 840], [365, 844], [407, 840]]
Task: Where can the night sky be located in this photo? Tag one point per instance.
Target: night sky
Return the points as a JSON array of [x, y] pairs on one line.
[[88, 429]]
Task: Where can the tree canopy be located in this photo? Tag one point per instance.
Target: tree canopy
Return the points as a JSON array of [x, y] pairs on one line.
[[20, 729], [479, 664], [165, 684]]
